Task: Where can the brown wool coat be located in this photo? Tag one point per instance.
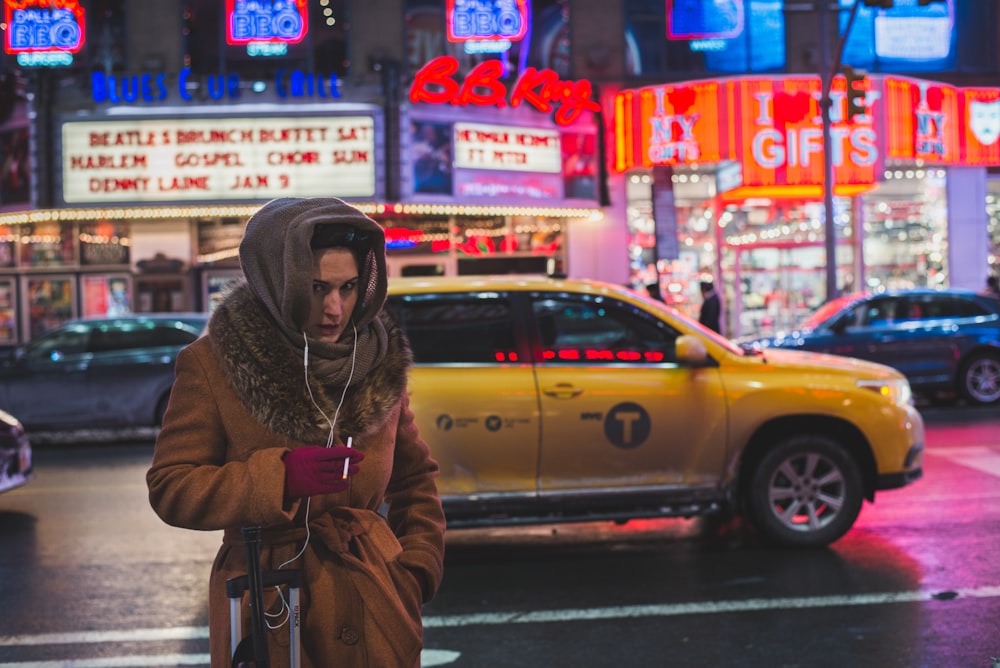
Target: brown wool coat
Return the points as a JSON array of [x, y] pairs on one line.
[[217, 466]]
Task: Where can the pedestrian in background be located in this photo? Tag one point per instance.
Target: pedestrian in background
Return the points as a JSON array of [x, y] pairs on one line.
[[992, 288], [292, 414], [711, 306]]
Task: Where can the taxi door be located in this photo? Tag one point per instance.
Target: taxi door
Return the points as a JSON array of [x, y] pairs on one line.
[[616, 407], [472, 392]]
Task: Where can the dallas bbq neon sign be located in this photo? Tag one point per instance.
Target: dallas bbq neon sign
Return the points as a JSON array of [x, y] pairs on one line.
[[542, 89], [41, 27]]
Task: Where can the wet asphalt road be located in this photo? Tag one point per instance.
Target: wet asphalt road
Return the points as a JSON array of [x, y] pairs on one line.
[[90, 577]]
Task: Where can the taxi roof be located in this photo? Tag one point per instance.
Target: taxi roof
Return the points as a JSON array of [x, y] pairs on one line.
[[415, 285]]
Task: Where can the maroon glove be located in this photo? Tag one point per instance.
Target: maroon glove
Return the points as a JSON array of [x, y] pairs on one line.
[[313, 469]]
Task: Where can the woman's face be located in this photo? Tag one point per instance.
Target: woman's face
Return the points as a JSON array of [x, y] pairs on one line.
[[334, 293]]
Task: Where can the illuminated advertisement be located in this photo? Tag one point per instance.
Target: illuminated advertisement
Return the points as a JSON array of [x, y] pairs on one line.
[[522, 165], [41, 26], [218, 159], [781, 136], [715, 19], [277, 21], [679, 123], [486, 20], [925, 120], [505, 148], [981, 140], [436, 83]]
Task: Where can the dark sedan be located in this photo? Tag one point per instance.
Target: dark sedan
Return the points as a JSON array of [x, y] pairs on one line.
[[942, 340], [97, 373], [15, 453]]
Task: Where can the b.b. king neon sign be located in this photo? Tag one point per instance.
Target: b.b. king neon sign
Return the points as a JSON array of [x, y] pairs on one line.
[[483, 86], [44, 26], [269, 21]]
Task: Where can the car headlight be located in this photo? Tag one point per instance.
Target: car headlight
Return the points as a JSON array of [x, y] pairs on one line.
[[896, 390]]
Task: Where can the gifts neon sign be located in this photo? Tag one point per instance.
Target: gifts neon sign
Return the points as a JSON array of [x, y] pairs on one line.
[[542, 89]]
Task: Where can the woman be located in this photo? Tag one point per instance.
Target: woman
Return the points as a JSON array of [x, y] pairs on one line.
[[292, 414]]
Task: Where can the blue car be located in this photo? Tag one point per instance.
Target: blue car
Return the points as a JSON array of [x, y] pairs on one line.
[[97, 373], [944, 341]]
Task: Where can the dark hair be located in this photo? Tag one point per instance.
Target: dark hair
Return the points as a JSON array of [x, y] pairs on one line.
[[706, 285], [331, 235]]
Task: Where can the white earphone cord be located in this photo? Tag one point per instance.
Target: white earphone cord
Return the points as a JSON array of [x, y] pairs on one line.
[[329, 443]]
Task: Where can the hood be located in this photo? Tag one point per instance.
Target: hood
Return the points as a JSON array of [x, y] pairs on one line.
[[804, 361], [276, 258]]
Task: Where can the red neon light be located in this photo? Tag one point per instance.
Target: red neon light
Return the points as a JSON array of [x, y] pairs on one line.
[[73, 6], [599, 355], [472, 30], [483, 87]]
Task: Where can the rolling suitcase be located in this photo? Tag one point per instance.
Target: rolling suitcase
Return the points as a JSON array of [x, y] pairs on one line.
[[252, 650]]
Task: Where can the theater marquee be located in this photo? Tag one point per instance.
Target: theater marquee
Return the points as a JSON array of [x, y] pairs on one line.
[[218, 159]]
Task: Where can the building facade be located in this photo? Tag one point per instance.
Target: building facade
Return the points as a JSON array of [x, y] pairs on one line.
[[484, 141]]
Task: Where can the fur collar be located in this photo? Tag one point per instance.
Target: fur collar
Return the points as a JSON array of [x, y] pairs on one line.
[[266, 372]]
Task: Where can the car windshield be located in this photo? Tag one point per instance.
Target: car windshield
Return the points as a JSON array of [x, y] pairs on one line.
[[715, 336], [827, 311]]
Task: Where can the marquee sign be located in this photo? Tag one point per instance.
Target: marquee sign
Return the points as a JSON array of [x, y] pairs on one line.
[[506, 148], [218, 159]]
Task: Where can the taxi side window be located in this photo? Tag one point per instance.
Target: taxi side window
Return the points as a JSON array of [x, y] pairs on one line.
[[456, 329], [599, 331]]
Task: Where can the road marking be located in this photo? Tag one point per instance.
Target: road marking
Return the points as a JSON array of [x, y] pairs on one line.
[[977, 457], [149, 661], [440, 657]]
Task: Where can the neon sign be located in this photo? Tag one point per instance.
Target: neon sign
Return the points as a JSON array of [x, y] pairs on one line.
[[484, 20], [542, 89], [44, 26], [267, 21]]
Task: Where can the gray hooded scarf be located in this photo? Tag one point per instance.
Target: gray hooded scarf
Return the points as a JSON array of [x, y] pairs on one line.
[[276, 255]]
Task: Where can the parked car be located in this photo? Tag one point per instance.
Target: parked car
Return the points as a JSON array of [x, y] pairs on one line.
[[97, 373], [942, 340], [16, 467], [551, 400]]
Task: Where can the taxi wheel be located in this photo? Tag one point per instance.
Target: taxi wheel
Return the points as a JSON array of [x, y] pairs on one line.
[[980, 379], [805, 492]]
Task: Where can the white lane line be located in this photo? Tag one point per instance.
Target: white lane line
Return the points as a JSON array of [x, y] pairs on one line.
[[978, 457], [708, 607], [131, 635], [161, 660], [428, 658], [524, 617]]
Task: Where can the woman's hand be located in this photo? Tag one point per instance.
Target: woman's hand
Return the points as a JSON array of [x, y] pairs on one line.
[[314, 469]]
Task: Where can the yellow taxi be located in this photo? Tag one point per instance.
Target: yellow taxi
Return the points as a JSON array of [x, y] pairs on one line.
[[548, 400]]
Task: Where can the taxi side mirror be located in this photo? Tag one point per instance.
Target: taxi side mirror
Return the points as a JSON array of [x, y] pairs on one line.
[[690, 350]]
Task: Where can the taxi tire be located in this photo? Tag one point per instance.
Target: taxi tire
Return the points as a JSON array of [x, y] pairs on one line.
[[805, 472]]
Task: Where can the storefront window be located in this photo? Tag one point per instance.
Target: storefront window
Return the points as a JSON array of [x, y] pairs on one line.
[[48, 245], [104, 243], [906, 230], [8, 245], [489, 245], [993, 225]]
